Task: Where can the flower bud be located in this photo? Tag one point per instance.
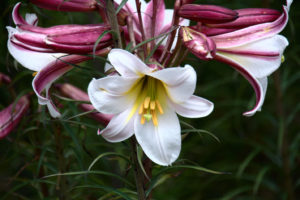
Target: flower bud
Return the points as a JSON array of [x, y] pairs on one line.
[[67, 5], [12, 115], [199, 44], [207, 13], [249, 17], [4, 79]]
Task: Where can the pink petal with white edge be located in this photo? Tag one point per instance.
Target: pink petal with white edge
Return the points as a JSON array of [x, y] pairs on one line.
[[259, 85], [161, 143], [194, 107], [12, 115], [253, 33], [260, 58], [43, 80]]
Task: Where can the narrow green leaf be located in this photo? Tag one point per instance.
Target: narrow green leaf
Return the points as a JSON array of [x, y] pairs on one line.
[[246, 162], [122, 4], [107, 154], [259, 179], [99, 39]]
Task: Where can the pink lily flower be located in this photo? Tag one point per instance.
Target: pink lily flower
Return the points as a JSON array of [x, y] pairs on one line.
[[11, 115], [255, 51], [67, 5], [79, 95], [35, 47]]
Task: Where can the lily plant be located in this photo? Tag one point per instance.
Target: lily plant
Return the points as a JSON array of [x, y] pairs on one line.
[[146, 44]]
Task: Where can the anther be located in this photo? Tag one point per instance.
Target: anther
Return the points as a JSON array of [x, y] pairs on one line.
[[142, 120], [152, 105], [141, 109], [154, 118], [34, 73], [161, 111], [146, 102]]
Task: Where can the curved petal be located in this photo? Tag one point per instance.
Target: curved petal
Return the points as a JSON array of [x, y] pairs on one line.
[[44, 78], [127, 64], [180, 82], [30, 59], [194, 107], [119, 128], [259, 85], [161, 143], [260, 58], [107, 94]]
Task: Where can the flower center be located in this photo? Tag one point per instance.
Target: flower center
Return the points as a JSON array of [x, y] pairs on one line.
[[150, 104]]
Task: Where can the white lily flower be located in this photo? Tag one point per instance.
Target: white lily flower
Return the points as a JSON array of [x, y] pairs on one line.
[[145, 101]]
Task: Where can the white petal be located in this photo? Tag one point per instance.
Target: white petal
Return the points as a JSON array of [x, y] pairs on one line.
[[180, 82], [194, 107], [107, 102], [30, 59], [260, 66], [31, 19], [160, 143], [119, 128], [127, 64]]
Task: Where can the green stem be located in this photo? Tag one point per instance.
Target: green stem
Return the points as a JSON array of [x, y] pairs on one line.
[[138, 173]]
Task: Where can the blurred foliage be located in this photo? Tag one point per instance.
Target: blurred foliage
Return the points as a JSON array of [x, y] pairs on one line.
[[260, 155]]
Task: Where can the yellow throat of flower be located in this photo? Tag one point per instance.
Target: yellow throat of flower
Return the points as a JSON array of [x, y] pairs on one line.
[[150, 105]]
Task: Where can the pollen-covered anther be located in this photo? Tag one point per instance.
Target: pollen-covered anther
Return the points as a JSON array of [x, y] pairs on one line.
[[161, 111], [147, 102], [154, 118], [152, 105]]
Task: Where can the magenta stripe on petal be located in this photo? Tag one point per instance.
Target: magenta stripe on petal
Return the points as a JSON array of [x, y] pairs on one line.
[[17, 18], [252, 80], [11, 115], [45, 77]]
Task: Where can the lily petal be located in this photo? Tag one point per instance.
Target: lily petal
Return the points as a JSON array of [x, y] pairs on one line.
[[260, 58], [180, 82], [161, 143], [119, 128], [253, 33], [30, 59], [108, 94], [127, 64], [194, 107], [43, 80], [159, 18], [259, 85]]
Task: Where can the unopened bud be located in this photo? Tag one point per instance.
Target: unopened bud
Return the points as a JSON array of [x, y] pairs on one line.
[[249, 17], [209, 14], [199, 44], [67, 5]]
